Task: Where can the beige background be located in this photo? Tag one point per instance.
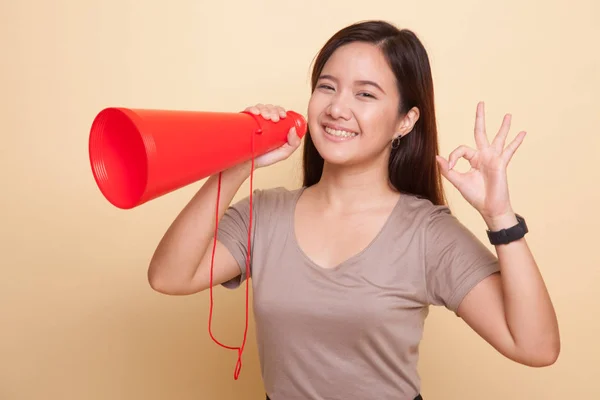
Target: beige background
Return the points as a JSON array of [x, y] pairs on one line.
[[77, 317]]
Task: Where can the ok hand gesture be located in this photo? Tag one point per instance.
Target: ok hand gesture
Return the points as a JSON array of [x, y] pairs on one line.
[[485, 185]]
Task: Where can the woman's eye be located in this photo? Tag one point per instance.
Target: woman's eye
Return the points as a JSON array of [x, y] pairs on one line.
[[366, 95], [326, 87]]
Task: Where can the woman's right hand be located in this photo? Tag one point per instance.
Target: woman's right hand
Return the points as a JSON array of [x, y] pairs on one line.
[[275, 113]]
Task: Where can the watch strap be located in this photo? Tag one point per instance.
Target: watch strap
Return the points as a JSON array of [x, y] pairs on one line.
[[508, 235]]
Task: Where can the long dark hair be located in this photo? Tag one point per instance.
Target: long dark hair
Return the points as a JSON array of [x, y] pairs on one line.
[[412, 167]]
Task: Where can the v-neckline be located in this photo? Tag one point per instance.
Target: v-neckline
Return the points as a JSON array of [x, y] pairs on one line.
[[343, 263]]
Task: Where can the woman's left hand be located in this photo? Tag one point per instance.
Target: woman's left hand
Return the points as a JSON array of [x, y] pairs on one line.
[[485, 185]]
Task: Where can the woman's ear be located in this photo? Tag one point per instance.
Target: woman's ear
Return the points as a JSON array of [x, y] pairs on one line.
[[407, 122]]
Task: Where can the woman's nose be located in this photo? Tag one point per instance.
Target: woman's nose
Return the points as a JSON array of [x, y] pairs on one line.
[[338, 108]]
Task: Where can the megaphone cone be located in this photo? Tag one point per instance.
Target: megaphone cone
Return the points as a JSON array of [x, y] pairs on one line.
[[137, 155]]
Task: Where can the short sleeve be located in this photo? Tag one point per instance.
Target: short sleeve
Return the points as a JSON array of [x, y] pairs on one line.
[[455, 260], [233, 234]]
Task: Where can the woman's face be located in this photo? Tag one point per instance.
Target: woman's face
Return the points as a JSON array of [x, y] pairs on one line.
[[353, 111]]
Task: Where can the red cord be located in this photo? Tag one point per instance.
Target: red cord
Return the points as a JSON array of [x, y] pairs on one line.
[[240, 349]]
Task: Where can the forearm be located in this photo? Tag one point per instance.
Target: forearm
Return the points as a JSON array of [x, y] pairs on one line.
[[181, 249], [530, 315]]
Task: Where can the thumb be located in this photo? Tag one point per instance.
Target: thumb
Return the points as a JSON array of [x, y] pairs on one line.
[[293, 139]]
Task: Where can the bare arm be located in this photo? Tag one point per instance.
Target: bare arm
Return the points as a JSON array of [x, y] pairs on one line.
[[512, 310], [181, 262]]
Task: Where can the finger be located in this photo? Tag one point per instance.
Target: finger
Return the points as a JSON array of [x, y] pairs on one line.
[[276, 113], [461, 152], [513, 146], [480, 134], [500, 139], [444, 165], [253, 109], [452, 176], [282, 112], [266, 113], [271, 112]]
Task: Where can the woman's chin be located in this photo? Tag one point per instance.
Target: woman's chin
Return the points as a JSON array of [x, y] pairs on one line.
[[349, 156], [339, 157]]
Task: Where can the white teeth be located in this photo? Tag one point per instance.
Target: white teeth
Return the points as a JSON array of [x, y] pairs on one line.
[[338, 133]]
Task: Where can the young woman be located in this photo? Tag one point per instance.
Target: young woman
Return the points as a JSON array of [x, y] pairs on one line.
[[345, 267]]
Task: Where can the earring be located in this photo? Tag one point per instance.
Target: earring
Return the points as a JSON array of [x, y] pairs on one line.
[[396, 142]]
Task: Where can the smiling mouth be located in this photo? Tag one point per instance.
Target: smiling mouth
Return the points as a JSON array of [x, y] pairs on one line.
[[340, 133]]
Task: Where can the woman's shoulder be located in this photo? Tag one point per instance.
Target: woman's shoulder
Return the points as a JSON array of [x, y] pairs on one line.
[[269, 200], [432, 220], [423, 209], [277, 195], [437, 221]]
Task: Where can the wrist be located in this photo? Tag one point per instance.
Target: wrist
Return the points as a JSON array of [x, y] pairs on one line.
[[241, 170], [503, 221]]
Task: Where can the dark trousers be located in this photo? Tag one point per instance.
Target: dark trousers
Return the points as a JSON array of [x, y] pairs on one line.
[[416, 398]]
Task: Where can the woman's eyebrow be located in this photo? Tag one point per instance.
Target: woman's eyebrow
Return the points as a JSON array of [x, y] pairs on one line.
[[359, 82]]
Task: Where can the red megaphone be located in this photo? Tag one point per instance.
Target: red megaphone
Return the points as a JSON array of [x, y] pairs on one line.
[[137, 155]]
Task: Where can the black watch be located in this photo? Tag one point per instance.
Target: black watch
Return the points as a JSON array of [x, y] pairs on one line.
[[505, 236]]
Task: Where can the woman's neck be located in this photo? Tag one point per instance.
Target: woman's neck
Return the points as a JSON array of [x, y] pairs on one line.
[[353, 189]]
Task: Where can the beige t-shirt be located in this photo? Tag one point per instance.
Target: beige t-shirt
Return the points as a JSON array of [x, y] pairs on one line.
[[351, 332]]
